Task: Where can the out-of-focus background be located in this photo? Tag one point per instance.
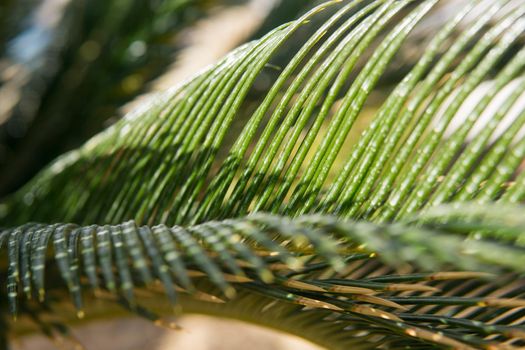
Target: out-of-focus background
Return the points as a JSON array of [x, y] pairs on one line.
[[197, 333], [69, 68]]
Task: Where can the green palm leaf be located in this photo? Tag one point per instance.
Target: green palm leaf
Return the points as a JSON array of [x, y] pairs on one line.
[[302, 201]]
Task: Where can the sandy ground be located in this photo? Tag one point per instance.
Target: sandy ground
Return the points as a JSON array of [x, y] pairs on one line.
[[198, 333]]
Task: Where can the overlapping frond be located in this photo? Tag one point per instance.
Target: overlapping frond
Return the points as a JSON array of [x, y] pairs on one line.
[[288, 260], [293, 128]]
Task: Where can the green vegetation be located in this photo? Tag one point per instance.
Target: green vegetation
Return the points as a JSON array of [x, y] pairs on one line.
[[256, 200]]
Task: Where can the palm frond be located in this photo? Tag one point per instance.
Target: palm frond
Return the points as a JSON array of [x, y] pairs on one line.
[[282, 258], [370, 209]]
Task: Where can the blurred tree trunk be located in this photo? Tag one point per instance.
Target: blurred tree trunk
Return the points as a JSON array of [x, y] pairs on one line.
[[69, 68]]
